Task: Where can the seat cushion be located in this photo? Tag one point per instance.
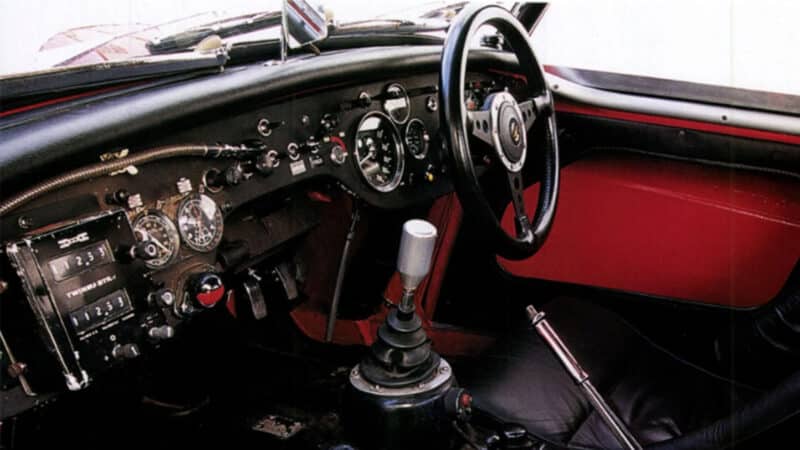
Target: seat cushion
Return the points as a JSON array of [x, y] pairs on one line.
[[657, 395]]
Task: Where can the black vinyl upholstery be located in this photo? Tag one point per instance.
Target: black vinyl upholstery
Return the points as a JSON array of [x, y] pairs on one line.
[[657, 395]]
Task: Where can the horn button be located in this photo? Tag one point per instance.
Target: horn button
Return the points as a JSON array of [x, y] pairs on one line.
[[510, 135], [511, 132]]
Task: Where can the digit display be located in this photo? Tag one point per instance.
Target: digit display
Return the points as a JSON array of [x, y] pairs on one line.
[[79, 260]]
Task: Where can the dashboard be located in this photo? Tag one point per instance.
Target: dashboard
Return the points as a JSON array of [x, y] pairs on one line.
[[110, 267]]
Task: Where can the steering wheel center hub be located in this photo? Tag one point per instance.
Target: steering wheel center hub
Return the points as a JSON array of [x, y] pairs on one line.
[[510, 133]]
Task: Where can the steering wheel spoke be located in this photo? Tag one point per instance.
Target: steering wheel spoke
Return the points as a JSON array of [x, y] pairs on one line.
[[536, 107], [521, 220], [480, 122]]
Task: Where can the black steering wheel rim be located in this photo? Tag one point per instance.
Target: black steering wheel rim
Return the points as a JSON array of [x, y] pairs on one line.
[[460, 124]]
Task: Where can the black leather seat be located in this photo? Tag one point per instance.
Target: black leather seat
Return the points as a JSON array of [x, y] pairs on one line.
[[658, 396]]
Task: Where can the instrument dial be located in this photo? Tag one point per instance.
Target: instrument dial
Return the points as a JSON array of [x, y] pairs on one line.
[[397, 104], [379, 153], [155, 227], [417, 139], [200, 223]]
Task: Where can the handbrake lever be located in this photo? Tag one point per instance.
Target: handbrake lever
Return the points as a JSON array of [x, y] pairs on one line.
[[581, 378]]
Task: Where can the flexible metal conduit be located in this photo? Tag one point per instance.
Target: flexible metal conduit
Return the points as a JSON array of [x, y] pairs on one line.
[[107, 167]]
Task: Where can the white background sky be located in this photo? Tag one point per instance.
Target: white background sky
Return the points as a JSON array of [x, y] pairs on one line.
[[745, 43]]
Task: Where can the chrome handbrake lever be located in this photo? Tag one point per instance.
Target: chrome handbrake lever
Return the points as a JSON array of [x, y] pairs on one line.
[[581, 378]]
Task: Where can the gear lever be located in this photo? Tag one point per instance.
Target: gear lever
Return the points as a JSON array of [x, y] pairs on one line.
[[402, 355], [414, 258], [398, 392], [581, 378]]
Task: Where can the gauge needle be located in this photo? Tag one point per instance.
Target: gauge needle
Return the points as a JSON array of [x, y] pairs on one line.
[[158, 243], [149, 237], [201, 229]]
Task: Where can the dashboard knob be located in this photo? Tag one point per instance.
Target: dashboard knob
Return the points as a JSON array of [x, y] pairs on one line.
[[145, 250], [231, 176], [161, 333], [293, 150], [364, 100], [163, 297], [328, 122], [338, 155], [267, 161], [125, 351], [206, 289], [311, 145], [119, 197], [234, 174]]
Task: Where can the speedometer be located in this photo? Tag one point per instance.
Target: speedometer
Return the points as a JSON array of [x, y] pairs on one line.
[[379, 153], [200, 222], [155, 227]]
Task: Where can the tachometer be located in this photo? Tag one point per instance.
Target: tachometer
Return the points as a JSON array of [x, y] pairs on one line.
[[379, 153], [155, 227], [200, 222], [417, 139]]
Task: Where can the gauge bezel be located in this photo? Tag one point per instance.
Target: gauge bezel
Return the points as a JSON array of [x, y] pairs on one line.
[[401, 157], [172, 231], [405, 97], [426, 144], [218, 230]]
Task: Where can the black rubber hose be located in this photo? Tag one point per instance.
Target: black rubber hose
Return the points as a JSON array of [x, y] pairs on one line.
[[772, 408]]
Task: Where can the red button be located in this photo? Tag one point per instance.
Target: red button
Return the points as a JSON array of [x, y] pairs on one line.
[[210, 298]]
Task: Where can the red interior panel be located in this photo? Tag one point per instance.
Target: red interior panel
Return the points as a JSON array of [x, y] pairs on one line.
[[311, 317], [671, 229]]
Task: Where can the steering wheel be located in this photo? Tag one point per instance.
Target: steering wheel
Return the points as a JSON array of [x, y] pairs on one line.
[[504, 124]]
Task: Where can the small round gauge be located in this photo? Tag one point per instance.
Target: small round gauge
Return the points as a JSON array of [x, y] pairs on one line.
[[396, 103], [155, 227], [378, 151], [417, 139], [200, 222]]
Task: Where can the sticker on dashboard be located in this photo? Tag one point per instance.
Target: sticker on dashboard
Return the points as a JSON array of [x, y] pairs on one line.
[[298, 167]]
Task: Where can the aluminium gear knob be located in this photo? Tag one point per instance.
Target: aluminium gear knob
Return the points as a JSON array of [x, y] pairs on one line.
[[416, 250]]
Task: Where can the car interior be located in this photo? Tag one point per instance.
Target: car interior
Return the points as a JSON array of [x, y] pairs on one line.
[[396, 242]]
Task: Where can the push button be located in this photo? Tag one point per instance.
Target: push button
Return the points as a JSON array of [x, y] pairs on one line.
[[206, 289]]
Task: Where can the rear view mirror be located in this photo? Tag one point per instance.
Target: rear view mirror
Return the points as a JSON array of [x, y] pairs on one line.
[[303, 23]]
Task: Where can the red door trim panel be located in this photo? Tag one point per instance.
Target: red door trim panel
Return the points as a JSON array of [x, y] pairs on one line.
[[669, 229]]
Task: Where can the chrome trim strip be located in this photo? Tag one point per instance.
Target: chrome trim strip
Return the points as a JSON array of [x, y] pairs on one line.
[[443, 374], [719, 115]]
